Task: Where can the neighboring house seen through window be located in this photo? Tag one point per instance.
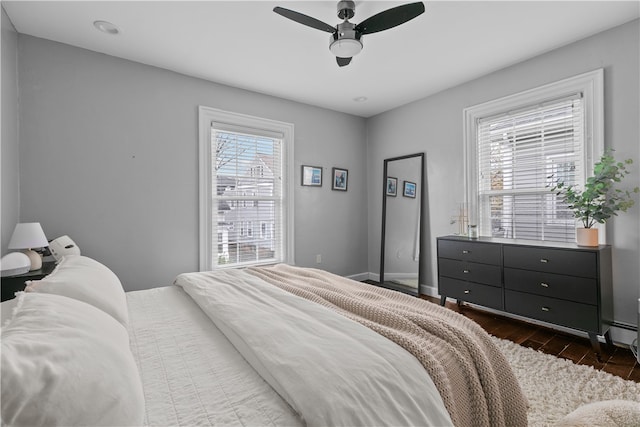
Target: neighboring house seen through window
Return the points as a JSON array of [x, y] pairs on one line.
[[245, 181], [517, 147]]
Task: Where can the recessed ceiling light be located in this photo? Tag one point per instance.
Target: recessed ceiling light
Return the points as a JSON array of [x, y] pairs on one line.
[[106, 27], [360, 99]]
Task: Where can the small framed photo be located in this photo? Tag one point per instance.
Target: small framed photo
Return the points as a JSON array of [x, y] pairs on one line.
[[392, 186], [312, 176], [409, 189], [340, 177]]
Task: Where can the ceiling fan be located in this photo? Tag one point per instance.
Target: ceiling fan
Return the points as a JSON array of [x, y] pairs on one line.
[[346, 37]]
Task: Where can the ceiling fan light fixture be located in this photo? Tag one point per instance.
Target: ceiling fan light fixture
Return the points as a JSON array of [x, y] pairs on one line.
[[345, 48]]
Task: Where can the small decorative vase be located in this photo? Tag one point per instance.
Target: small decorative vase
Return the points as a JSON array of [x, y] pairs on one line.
[[587, 236]]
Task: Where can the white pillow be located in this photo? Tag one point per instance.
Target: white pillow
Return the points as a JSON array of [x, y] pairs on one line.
[[65, 362], [85, 279], [607, 413]]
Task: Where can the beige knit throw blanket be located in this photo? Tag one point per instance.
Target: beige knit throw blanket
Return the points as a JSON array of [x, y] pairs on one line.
[[474, 379]]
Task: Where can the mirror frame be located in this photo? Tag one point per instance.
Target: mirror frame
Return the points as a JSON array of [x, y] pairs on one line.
[[384, 220]]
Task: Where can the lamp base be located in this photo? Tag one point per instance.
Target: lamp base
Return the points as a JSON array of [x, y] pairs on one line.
[[35, 258]]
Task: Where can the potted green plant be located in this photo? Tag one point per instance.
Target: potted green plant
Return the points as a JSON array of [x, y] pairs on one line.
[[600, 199]]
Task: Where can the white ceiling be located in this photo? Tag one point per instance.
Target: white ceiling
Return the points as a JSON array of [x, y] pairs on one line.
[[246, 45]]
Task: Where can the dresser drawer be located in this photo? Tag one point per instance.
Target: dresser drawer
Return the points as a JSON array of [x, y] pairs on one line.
[[560, 312], [572, 288], [560, 261], [486, 253], [488, 296], [470, 271]]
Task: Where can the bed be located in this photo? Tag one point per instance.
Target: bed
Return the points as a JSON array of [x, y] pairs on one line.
[[278, 346]]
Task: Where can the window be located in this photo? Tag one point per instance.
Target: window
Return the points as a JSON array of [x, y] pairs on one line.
[[245, 179], [517, 147]]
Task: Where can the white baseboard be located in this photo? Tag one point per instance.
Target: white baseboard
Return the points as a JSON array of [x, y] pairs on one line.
[[373, 276], [429, 290], [359, 277], [623, 336]]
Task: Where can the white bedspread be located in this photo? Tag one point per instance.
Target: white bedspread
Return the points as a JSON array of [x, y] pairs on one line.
[[192, 375], [331, 370]]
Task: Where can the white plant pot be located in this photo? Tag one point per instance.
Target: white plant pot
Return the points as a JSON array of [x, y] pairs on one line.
[[587, 236]]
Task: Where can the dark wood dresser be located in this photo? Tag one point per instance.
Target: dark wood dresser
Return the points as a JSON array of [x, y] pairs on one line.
[[557, 283]]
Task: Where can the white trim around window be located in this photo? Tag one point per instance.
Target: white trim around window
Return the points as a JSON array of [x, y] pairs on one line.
[[234, 122], [589, 86]]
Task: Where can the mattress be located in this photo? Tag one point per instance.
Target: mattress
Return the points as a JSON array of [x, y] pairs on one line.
[[191, 374]]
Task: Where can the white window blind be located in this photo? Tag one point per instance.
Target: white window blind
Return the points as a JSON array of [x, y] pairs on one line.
[[248, 201], [519, 156]]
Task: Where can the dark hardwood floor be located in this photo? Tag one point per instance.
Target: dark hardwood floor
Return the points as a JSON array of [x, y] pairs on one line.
[[617, 360]]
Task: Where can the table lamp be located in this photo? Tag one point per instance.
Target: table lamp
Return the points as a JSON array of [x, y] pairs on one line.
[[26, 236]]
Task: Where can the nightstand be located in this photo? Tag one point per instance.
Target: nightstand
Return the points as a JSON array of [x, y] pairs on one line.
[[12, 284]]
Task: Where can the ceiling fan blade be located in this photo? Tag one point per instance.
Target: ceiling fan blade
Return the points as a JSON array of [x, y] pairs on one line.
[[390, 18], [343, 61], [304, 19]]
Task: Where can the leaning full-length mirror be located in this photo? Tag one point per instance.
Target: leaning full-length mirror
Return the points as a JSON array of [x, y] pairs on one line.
[[401, 228]]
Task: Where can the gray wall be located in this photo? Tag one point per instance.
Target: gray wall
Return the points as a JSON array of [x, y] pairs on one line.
[[9, 151], [434, 125], [108, 155]]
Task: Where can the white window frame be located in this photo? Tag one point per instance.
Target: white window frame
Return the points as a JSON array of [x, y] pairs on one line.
[[252, 125], [590, 84]]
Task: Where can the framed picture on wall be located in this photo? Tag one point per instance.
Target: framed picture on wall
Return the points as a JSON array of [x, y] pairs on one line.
[[392, 186], [409, 189], [312, 176], [340, 177]]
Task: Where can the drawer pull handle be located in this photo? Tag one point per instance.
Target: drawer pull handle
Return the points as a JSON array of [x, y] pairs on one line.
[[543, 260], [466, 252], [465, 271], [544, 285], [467, 291], [545, 309]]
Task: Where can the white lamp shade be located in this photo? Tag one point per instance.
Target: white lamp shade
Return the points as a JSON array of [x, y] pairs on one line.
[[345, 48], [28, 235]]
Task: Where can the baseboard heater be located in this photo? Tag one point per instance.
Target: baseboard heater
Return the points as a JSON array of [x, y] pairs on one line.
[[634, 345]]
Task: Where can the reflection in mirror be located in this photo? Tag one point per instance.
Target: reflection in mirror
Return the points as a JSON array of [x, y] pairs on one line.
[[401, 228]]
